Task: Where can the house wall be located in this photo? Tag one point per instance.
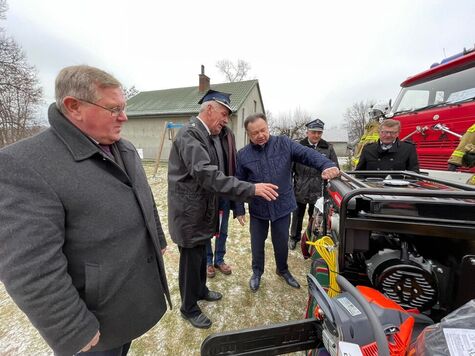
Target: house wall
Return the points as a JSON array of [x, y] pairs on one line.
[[147, 133], [340, 148], [251, 105]]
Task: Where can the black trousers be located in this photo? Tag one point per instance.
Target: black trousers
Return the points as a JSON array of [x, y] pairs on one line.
[[118, 351], [297, 220], [192, 279], [279, 234]]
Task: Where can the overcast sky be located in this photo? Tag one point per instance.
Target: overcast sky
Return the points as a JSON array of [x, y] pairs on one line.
[[320, 56]]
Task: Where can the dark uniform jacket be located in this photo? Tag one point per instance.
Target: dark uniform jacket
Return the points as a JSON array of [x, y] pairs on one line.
[[228, 142], [402, 156], [272, 163], [80, 239], [194, 183], [308, 180]]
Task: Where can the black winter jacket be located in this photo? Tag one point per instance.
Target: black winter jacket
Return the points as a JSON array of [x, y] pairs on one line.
[[402, 156], [308, 180], [194, 183]]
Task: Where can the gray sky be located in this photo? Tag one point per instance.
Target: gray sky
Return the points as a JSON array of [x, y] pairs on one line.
[[320, 56]]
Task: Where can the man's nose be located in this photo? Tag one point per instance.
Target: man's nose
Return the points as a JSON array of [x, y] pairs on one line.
[[122, 116]]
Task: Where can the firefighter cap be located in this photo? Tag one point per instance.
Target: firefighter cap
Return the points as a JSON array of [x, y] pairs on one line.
[[315, 125], [219, 97]]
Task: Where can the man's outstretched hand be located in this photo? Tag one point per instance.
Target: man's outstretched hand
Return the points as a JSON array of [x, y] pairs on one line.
[[330, 173], [241, 219], [267, 191], [92, 343]]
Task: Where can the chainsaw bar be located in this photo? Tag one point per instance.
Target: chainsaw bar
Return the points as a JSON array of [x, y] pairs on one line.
[[275, 339]]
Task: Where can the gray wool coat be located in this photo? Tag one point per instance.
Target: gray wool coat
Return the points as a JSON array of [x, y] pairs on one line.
[[194, 184], [80, 239]]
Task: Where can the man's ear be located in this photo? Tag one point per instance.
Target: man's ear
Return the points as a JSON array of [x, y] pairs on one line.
[[209, 108], [73, 108]]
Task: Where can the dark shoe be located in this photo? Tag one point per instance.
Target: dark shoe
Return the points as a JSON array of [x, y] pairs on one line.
[[212, 296], [291, 281], [292, 243], [254, 282], [198, 321], [224, 268], [210, 272]]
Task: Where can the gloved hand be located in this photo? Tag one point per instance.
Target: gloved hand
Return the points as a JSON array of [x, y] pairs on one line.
[[468, 159], [452, 167]]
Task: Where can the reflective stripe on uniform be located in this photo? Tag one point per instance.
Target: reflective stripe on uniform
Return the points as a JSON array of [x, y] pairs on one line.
[[458, 154], [471, 128]]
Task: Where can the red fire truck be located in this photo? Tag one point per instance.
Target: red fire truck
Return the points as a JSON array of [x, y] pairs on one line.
[[436, 107]]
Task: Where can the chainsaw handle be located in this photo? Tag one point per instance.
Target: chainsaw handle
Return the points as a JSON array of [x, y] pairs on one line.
[[380, 337]]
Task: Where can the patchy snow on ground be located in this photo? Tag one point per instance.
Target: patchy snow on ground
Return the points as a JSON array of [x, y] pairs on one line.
[[240, 308]]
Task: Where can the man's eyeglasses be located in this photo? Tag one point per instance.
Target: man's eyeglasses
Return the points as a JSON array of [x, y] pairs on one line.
[[115, 112], [389, 133]]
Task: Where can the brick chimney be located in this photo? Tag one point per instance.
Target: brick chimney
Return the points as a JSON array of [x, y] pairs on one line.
[[204, 81]]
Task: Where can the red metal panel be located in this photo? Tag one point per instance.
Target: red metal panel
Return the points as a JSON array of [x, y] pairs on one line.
[[442, 69]]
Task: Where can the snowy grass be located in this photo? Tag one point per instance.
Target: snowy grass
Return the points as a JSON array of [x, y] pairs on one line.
[[240, 308]]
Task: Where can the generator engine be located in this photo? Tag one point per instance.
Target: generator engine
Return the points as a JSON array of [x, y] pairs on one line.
[[413, 238], [408, 280]]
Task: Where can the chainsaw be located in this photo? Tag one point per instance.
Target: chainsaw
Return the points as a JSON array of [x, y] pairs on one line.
[[358, 321]]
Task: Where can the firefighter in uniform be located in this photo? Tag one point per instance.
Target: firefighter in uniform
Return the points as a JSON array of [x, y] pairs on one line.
[[371, 131], [370, 135], [464, 154]]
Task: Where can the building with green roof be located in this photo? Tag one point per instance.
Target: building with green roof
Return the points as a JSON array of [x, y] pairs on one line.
[[150, 111]]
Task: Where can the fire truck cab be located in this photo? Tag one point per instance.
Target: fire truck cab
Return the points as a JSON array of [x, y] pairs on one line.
[[436, 107]]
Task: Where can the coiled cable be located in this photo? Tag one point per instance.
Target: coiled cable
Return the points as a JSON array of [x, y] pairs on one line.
[[329, 252]]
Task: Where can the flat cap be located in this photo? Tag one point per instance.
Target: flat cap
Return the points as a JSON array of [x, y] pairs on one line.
[[219, 97], [315, 125]]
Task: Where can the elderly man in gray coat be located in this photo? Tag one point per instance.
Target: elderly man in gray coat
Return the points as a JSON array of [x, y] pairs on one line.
[[195, 179], [81, 241]]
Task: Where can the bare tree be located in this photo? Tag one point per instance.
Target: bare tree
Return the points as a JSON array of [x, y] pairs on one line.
[[130, 92], [234, 72], [291, 124], [3, 9], [20, 93], [356, 117]]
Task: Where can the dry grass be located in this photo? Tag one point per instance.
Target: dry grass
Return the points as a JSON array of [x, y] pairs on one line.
[[240, 308]]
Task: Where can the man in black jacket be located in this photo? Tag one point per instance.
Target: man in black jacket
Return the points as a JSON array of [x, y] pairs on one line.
[[307, 180], [195, 178], [389, 154]]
